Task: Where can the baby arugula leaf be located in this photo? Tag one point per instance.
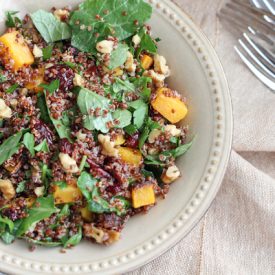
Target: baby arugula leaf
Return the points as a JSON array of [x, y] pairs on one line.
[[140, 113], [62, 129], [120, 18], [47, 52], [118, 56], [124, 117], [50, 27], [42, 147], [28, 141], [52, 87], [147, 43], [87, 101], [9, 147], [41, 209], [75, 239], [12, 21]]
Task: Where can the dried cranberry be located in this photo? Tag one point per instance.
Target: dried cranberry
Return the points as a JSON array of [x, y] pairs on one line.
[[92, 70], [65, 146], [97, 171], [41, 131], [132, 141], [114, 189], [62, 72]]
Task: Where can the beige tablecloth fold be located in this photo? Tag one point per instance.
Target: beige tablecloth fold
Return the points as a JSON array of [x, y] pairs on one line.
[[237, 235]]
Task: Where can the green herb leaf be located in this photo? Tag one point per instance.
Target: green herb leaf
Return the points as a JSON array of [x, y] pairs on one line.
[[130, 129], [118, 56], [87, 101], [52, 87], [7, 222], [149, 126], [46, 174], [140, 113], [98, 204], [124, 117], [50, 28], [3, 78], [61, 184], [118, 18], [43, 243], [86, 184], [21, 186], [82, 163], [147, 43], [179, 151], [62, 130], [75, 239], [42, 106], [9, 147], [121, 85], [42, 147], [12, 21], [7, 238], [28, 141], [43, 208], [47, 52], [12, 88]]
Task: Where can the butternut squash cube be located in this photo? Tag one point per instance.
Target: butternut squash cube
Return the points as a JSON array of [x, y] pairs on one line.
[[36, 81], [146, 61], [86, 214], [119, 140], [143, 196], [14, 48], [130, 156], [171, 107], [70, 193]]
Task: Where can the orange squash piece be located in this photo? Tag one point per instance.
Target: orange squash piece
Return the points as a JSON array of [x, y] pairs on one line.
[[142, 196], [70, 193], [14, 50], [119, 140], [39, 79], [146, 61], [130, 156], [172, 108]]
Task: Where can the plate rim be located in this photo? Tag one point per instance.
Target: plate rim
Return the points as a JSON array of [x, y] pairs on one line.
[[193, 213]]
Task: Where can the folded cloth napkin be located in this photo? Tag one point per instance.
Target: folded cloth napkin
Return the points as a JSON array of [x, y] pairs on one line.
[[237, 235]]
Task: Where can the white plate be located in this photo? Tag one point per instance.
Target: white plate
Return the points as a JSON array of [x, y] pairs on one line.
[[197, 73]]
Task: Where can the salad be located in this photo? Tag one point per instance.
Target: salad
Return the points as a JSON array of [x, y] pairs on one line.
[[89, 130]]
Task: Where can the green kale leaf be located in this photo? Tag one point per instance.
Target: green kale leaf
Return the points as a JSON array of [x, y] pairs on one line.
[[50, 27], [96, 19]]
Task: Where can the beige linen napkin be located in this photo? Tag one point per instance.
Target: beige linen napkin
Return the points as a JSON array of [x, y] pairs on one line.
[[237, 235]]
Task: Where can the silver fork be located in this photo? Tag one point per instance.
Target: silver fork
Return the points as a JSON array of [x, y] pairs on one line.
[[256, 31]]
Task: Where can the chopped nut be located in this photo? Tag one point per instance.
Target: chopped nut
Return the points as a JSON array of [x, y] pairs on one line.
[[105, 46], [78, 80], [91, 231], [160, 65], [173, 130], [157, 78], [130, 66], [171, 174], [60, 14], [7, 189], [13, 102], [5, 111], [37, 52], [68, 163], [113, 236], [80, 136], [136, 40], [154, 135], [108, 146], [39, 191]]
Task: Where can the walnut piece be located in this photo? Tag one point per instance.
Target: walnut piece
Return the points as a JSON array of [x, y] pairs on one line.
[[5, 111], [68, 163], [171, 174], [7, 189], [108, 146], [105, 46]]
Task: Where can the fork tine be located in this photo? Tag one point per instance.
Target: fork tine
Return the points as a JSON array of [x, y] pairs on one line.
[[269, 6], [250, 18], [267, 81], [258, 11], [260, 50], [258, 60]]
